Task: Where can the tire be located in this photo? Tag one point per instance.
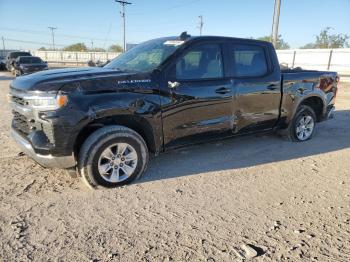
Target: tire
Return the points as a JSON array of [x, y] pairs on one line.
[[294, 131], [100, 152], [17, 72]]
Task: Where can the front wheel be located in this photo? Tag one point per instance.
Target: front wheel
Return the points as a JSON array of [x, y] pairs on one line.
[[303, 124], [17, 72], [112, 156]]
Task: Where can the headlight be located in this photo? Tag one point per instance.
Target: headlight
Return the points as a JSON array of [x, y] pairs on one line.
[[48, 102]]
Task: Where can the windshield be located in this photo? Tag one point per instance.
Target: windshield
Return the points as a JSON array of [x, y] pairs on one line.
[[30, 60], [17, 54], [145, 57]]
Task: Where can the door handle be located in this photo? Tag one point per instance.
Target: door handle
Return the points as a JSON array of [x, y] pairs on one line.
[[222, 90], [272, 87]]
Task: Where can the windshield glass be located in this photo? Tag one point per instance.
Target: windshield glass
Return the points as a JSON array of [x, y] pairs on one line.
[[146, 56], [17, 54], [30, 60]]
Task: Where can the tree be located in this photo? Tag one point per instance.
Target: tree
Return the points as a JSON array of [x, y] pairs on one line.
[[281, 44], [97, 49], [327, 40], [115, 48], [42, 48], [78, 47]]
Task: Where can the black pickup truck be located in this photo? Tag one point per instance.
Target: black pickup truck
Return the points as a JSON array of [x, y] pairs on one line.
[[162, 94], [28, 64], [11, 58]]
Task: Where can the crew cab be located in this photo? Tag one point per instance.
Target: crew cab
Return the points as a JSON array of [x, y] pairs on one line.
[[11, 58], [163, 94], [28, 65]]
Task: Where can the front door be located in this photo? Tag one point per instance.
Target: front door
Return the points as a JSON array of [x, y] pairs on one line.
[[199, 101]]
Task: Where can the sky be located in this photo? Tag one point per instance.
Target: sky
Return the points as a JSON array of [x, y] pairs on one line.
[[24, 24]]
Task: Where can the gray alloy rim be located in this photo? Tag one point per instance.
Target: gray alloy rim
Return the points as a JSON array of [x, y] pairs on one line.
[[305, 127], [117, 162]]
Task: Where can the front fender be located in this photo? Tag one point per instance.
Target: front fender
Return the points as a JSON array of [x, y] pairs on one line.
[[140, 112]]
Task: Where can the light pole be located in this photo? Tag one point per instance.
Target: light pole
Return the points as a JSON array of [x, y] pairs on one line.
[[200, 26], [53, 36], [123, 4], [275, 23], [3, 44]]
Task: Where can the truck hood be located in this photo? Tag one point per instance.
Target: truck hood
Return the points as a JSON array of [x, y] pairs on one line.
[[53, 80]]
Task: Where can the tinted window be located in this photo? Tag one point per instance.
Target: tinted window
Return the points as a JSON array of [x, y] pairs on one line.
[[250, 61], [17, 54], [146, 56], [201, 62], [30, 60]]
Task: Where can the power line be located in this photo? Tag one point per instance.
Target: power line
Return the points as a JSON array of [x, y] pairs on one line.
[[53, 36], [123, 4], [200, 26], [165, 9], [30, 42], [36, 32]]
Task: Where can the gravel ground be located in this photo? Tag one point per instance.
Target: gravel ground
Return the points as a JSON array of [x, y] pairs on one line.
[[289, 201]]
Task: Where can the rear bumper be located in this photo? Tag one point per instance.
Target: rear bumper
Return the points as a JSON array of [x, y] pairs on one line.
[[44, 160], [329, 114]]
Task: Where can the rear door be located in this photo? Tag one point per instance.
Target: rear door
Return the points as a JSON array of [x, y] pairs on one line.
[[199, 96], [256, 83]]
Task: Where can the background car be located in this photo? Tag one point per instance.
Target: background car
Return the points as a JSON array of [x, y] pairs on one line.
[[11, 58], [28, 64], [2, 63]]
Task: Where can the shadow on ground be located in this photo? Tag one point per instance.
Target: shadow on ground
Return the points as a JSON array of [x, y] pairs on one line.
[[5, 77], [248, 151]]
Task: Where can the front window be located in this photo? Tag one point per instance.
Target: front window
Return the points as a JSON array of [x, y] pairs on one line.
[[201, 62], [145, 57], [30, 60], [17, 54]]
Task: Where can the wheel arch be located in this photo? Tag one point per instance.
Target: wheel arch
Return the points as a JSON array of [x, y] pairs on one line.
[[139, 124], [316, 103]]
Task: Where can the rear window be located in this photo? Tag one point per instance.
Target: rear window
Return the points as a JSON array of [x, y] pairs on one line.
[[17, 54], [249, 60], [30, 60]]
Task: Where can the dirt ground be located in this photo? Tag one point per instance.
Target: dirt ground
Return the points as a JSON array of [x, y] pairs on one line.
[[290, 201]]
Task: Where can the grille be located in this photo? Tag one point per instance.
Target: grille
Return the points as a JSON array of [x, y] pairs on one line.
[[20, 122], [49, 132], [18, 100]]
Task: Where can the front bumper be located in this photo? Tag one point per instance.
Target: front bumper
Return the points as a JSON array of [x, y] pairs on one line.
[[44, 160]]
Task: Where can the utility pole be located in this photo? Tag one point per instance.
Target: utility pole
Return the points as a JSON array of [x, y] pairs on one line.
[[53, 36], [200, 26], [92, 45], [275, 23], [3, 44], [122, 13]]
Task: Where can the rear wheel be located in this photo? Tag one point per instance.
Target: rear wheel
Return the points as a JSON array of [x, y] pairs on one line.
[[112, 156], [303, 125]]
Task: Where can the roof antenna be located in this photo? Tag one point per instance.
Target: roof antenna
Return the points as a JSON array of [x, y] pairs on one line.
[[184, 35]]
